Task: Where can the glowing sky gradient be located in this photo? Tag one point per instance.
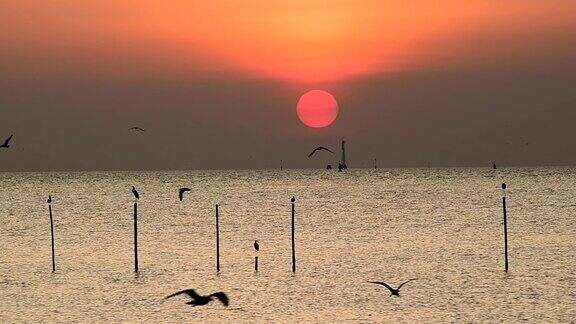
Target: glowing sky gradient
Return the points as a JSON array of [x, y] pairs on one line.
[[307, 41], [215, 83]]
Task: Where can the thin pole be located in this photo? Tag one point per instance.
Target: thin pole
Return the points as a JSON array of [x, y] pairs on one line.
[[217, 242], [52, 235], [256, 263], [135, 237], [293, 238], [505, 228]]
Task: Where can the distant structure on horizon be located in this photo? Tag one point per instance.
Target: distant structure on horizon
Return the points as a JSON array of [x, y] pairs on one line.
[[342, 165]]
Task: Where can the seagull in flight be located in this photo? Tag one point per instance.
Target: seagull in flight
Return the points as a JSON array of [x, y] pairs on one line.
[[393, 292], [6, 142], [181, 192], [137, 128], [135, 193], [319, 148], [198, 300]]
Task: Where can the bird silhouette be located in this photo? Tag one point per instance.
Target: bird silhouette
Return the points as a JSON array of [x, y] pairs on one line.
[[319, 148], [293, 199], [393, 291], [198, 300], [49, 199], [135, 193], [181, 192], [137, 128], [256, 246], [6, 142]]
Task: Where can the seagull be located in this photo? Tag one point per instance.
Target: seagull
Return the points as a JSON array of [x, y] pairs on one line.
[[136, 195], [49, 199], [137, 128], [181, 192], [6, 145], [393, 292], [256, 246], [318, 149], [198, 300]]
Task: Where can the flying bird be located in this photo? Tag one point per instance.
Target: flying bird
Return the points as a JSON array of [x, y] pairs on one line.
[[135, 193], [49, 199], [319, 148], [181, 192], [6, 142], [393, 292], [256, 246], [137, 128], [198, 300]]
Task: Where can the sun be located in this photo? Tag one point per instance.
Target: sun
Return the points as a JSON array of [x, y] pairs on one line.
[[317, 109]]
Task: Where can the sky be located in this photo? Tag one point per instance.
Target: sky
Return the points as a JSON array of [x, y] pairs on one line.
[[215, 83]]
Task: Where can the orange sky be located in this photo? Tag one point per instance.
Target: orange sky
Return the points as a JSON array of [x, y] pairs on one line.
[[304, 41], [215, 83]]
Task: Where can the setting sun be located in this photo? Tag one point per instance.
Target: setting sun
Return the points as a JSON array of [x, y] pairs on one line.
[[317, 109], [287, 161]]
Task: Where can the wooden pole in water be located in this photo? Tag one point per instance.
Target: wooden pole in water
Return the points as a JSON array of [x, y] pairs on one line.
[[135, 237], [256, 250], [293, 200], [52, 234], [505, 228], [217, 242]]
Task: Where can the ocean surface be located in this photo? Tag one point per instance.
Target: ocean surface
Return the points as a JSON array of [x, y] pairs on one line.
[[441, 226]]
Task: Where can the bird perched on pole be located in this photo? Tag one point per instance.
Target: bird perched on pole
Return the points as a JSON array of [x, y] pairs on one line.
[[49, 199], [181, 192], [135, 193], [256, 246]]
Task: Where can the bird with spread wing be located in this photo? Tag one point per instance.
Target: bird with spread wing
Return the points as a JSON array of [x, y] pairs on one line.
[[199, 300], [393, 291], [6, 143], [136, 128], [319, 148]]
